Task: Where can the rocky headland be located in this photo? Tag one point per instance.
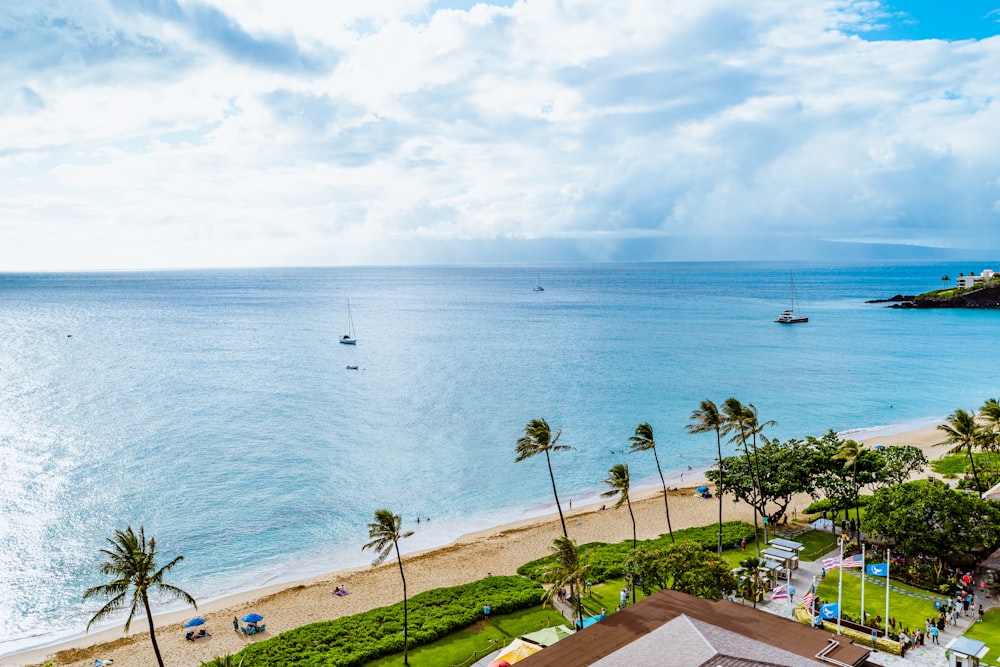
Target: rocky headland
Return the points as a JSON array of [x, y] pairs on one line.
[[987, 296]]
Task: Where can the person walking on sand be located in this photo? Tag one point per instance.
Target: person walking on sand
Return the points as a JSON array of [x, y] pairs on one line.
[[236, 625]]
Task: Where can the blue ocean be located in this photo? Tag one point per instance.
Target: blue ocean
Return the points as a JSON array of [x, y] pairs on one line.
[[216, 408]]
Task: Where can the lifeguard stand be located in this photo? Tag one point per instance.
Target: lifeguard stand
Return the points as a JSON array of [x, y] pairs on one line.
[[965, 652]]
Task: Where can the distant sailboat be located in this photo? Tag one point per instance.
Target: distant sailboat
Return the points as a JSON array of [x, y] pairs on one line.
[[349, 338], [538, 287], [789, 316]]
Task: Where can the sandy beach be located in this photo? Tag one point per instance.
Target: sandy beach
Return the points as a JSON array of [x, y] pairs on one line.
[[498, 550]]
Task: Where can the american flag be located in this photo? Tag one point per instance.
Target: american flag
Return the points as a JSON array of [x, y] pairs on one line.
[[780, 593], [807, 600], [854, 561], [831, 563]]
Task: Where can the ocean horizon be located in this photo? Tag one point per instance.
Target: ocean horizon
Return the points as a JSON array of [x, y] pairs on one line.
[[216, 408]]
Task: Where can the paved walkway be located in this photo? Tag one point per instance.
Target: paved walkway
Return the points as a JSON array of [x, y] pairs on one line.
[[921, 656]]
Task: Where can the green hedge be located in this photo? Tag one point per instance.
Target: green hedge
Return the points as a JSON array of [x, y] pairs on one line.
[[607, 560], [357, 639], [826, 505]]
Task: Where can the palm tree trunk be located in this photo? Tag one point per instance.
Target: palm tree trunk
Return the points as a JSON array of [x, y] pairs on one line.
[[665, 503], [152, 633], [552, 477], [634, 540], [753, 497], [760, 490], [975, 475], [718, 445], [857, 503], [579, 603], [406, 628]]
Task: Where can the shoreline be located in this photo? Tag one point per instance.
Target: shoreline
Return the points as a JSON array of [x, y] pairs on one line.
[[496, 549]]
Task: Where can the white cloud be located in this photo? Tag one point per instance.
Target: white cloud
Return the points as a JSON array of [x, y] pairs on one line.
[[249, 132]]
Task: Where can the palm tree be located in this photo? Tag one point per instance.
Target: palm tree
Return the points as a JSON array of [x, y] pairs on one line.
[[850, 453], [751, 582], [990, 415], [618, 480], [386, 532], [736, 420], [707, 418], [131, 560], [964, 432], [538, 439], [568, 570], [642, 441]]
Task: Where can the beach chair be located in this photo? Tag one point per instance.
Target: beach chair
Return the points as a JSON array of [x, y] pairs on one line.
[[261, 627]]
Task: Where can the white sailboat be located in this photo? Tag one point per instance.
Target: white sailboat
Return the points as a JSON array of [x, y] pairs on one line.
[[350, 337], [789, 316], [538, 286]]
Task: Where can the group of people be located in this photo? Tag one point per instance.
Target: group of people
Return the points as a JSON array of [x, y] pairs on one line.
[[340, 591], [191, 635]]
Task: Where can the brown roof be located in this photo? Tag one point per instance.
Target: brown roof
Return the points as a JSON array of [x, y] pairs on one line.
[[684, 631]]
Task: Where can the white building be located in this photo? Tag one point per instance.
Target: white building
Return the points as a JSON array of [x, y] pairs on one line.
[[971, 280]]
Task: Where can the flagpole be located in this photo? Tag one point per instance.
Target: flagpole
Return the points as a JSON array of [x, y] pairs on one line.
[[888, 552], [863, 621], [840, 582], [788, 600]]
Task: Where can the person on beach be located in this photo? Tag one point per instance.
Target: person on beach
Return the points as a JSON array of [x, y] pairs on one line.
[[236, 625]]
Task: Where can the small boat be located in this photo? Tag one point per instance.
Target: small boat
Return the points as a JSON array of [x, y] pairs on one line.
[[349, 338], [352, 368], [789, 316], [538, 287]]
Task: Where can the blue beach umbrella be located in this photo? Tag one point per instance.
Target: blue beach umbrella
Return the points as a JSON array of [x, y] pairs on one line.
[[252, 618], [194, 622], [702, 489]]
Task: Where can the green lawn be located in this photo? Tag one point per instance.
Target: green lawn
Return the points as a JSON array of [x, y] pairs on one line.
[[954, 465], [817, 543], [606, 594], [459, 647], [908, 610], [989, 632]]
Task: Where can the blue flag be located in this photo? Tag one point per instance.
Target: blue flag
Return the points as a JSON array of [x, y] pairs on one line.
[[877, 569], [829, 611]]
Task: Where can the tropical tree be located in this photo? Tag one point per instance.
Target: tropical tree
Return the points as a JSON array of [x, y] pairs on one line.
[[618, 480], [538, 440], [567, 570], [990, 416], [741, 421], [386, 532], [131, 561], [930, 519], [643, 441], [683, 566], [964, 432], [850, 453], [707, 418], [896, 465], [784, 470], [751, 582]]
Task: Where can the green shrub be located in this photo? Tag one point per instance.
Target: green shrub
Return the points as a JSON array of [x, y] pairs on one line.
[[607, 561], [825, 505], [355, 640]]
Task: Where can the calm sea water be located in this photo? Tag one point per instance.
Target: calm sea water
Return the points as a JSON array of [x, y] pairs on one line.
[[215, 407]]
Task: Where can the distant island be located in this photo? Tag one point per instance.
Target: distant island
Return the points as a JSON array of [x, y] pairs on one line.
[[970, 291]]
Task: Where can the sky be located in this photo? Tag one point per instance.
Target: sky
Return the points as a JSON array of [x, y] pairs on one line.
[[143, 134]]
